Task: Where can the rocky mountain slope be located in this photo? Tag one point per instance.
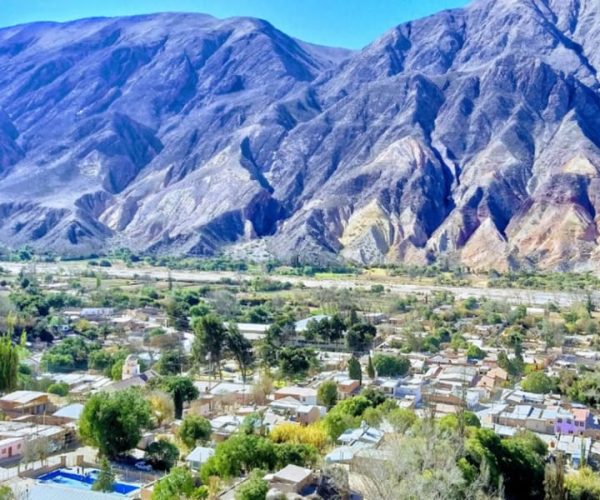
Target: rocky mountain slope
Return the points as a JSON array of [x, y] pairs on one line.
[[472, 135]]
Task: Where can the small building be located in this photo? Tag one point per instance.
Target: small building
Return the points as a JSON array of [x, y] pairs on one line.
[[363, 434], [25, 403], [306, 395], [307, 414], [199, 456], [290, 479], [253, 331], [574, 422], [11, 447], [97, 313], [347, 388], [131, 367], [69, 413]]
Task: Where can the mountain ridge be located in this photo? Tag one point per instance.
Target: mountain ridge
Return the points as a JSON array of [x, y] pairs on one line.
[[469, 135]]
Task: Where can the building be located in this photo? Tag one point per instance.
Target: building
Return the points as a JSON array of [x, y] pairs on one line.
[[306, 395], [131, 367], [347, 388], [363, 434], [140, 380], [253, 331], [576, 421], [290, 479], [199, 456], [11, 447], [52, 437], [20, 403]]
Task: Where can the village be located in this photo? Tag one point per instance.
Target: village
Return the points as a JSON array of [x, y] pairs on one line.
[[248, 389]]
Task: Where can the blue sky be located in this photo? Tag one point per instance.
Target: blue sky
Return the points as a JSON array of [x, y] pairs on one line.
[[342, 23]]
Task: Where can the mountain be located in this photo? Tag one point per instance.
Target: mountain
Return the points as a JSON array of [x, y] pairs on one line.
[[472, 136]]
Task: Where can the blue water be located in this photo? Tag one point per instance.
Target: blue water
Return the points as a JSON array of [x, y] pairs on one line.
[[80, 482]]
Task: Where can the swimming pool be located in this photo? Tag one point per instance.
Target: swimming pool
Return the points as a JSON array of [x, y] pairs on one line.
[[80, 482]]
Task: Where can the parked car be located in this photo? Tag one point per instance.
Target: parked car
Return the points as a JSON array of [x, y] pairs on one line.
[[141, 465]]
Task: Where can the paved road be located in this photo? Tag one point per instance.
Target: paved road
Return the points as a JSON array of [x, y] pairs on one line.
[[515, 296]]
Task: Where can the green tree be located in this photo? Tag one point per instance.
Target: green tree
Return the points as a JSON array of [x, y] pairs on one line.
[[538, 382], [295, 362], [360, 336], [474, 352], [374, 395], [182, 389], [9, 364], [60, 389], [327, 393], [401, 419], [170, 362], [113, 422], [209, 341], [106, 478], [254, 488], [354, 369], [370, 368], [240, 348], [179, 484], [554, 479], [6, 493], [583, 484], [391, 366], [194, 428], [162, 454]]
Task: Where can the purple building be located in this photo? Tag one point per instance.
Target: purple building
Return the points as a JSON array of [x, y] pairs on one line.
[[574, 422]]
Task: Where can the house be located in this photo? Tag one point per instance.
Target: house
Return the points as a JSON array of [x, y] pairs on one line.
[[11, 447], [306, 395], [52, 436], [290, 479], [347, 388], [302, 325], [529, 417], [131, 367], [69, 413], [576, 421], [199, 456], [402, 387], [97, 313], [362, 434], [140, 380], [307, 414], [25, 403], [344, 454], [224, 426], [253, 331]]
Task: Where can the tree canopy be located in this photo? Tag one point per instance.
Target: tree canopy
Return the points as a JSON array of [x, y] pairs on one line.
[[113, 422]]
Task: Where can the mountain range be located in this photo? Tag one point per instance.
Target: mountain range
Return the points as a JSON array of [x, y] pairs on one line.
[[471, 136]]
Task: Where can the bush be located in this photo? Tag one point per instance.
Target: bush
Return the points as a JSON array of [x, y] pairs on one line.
[[538, 382], [289, 432], [254, 488], [162, 454], [193, 429], [391, 366], [327, 393], [60, 389]]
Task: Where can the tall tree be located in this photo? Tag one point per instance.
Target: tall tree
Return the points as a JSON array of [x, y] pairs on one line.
[[113, 422], [209, 341], [370, 368], [354, 369], [106, 478], [241, 349], [9, 364], [182, 389]]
